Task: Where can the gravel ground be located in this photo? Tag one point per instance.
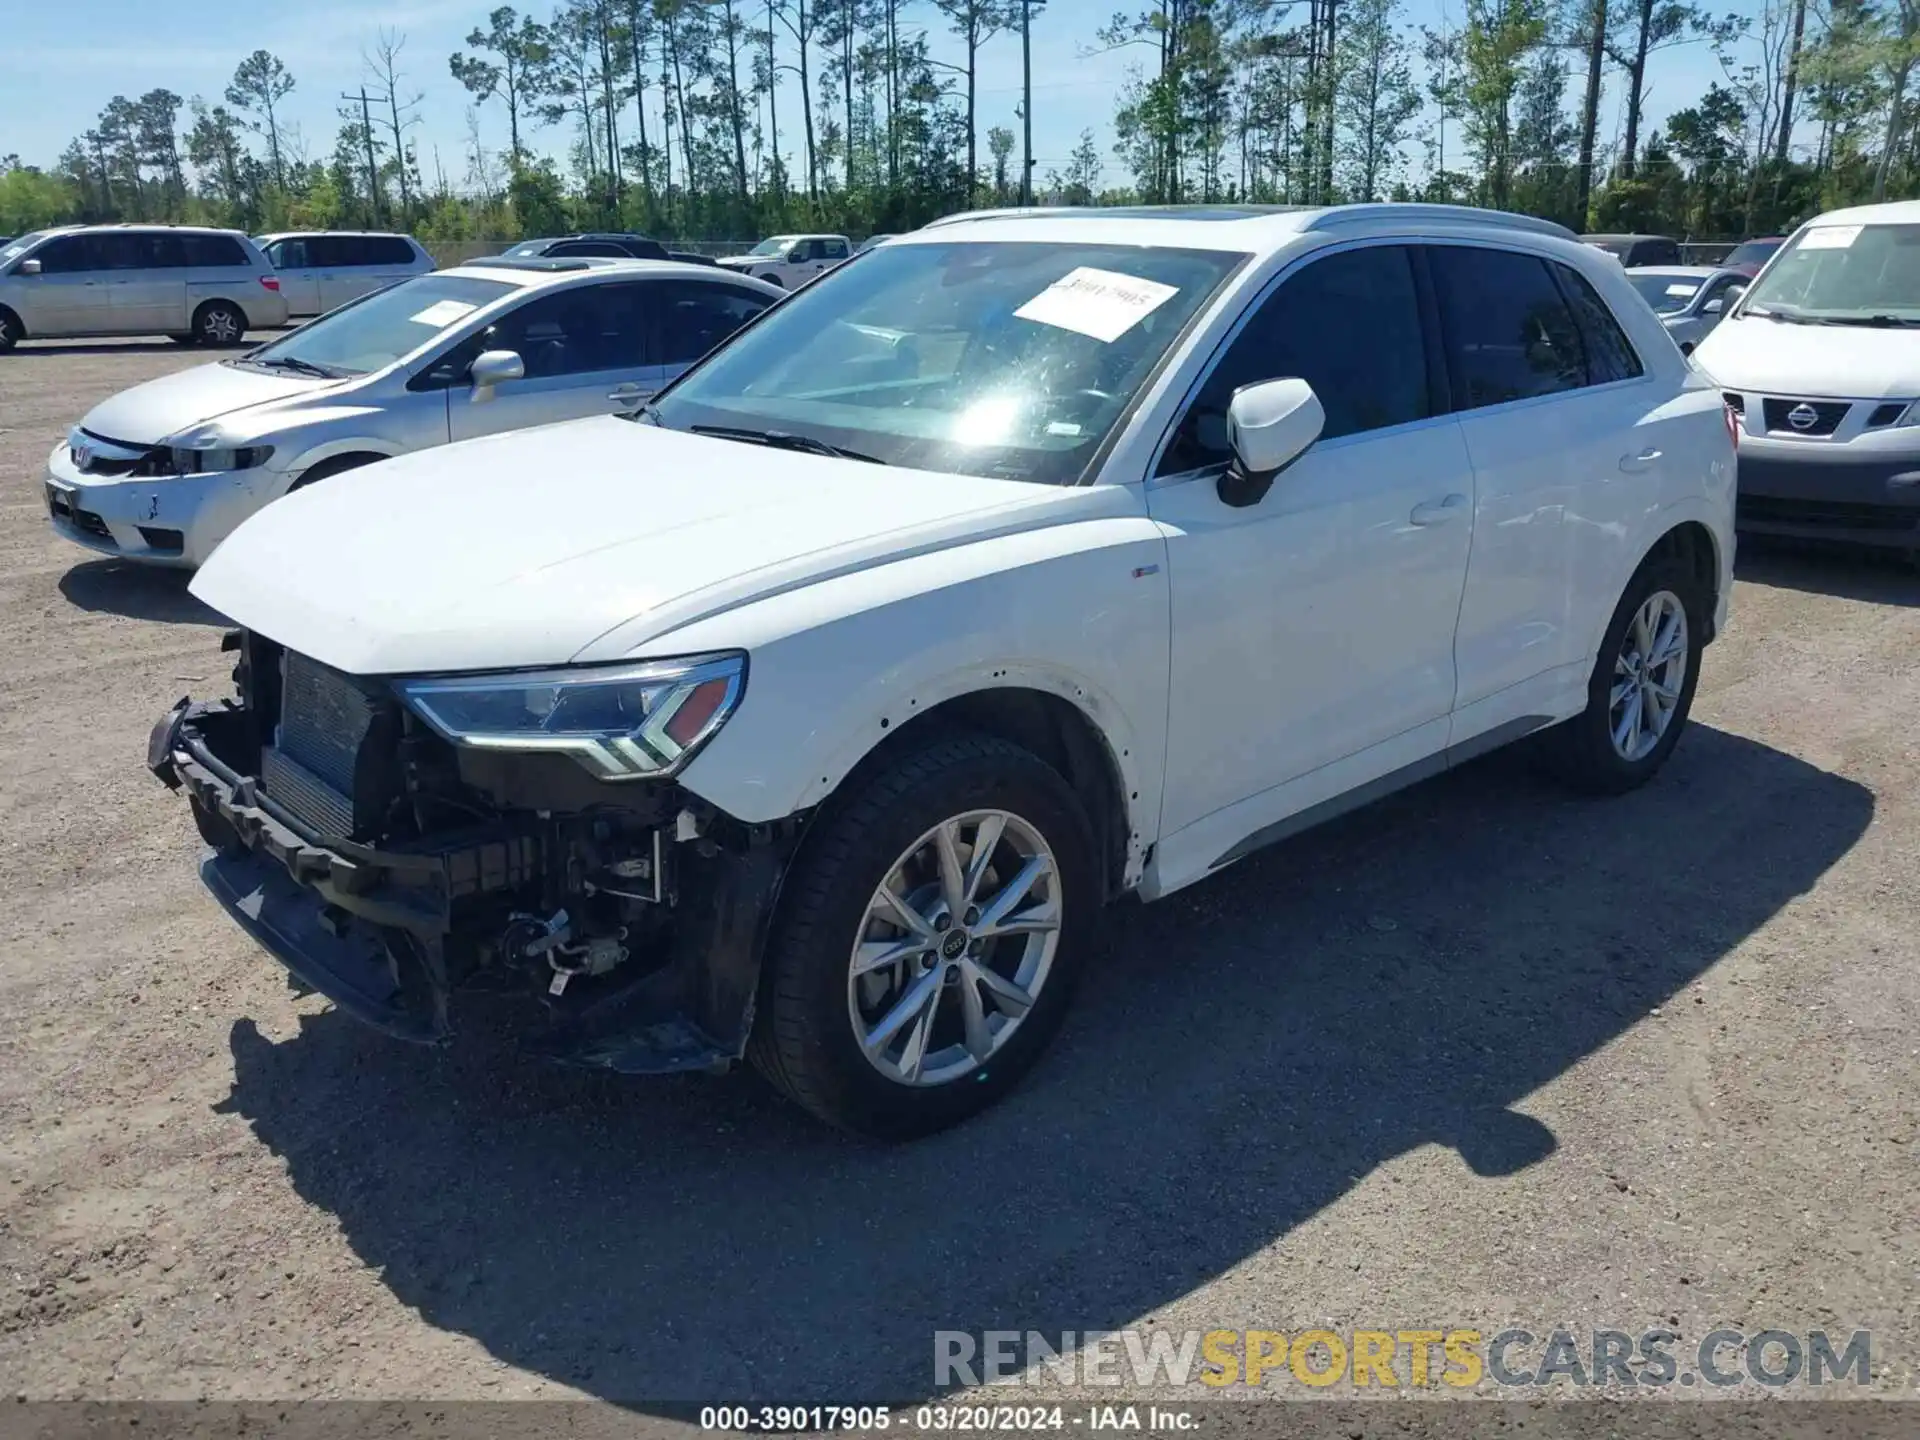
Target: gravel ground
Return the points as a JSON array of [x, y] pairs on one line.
[[1480, 1054]]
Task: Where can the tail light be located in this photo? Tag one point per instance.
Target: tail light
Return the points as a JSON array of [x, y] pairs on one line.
[[272, 282]]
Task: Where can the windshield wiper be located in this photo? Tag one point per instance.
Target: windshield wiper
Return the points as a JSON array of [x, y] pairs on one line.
[[295, 364], [1877, 322], [784, 440], [1785, 317]]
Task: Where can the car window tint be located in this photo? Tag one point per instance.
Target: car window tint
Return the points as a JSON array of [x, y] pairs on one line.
[[590, 247], [1510, 335], [121, 250], [833, 249], [325, 251], [1610, 355], [69, 255], [642, 249], [694, 318], [386, 250], [575, 331], [213, 250], [1347, 324]]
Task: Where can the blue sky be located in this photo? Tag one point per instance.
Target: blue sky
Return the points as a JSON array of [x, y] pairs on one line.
[[65, 62]]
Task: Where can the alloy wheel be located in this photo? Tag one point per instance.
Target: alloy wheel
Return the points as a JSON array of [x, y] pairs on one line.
[[1649, 674], [954, 947], [220, 327]]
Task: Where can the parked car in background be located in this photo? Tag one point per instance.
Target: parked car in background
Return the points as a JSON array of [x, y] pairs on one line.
[[814, 714], [871, 241], [605, 245], [190, 284], [321, 270], [1689, 299], [162, 472], [1821, 360], [790, 261], [1636, 250], [1750, 256]]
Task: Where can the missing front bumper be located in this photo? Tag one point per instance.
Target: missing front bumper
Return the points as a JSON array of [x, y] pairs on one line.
[[378, 932]]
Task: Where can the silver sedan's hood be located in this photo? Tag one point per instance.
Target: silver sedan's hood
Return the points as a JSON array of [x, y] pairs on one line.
[[150, 413]]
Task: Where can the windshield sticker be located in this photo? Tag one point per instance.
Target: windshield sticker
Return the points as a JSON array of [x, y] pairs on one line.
[[1682, 290], [1831, 237], [1102, 303], [442, 313]]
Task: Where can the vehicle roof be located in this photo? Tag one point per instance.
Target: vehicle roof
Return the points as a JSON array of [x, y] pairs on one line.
[[1894, 212], [1253, 229], [143, 225], [303, 234], [533, 271], [580, 235], [1682, 272], [1624, 235]]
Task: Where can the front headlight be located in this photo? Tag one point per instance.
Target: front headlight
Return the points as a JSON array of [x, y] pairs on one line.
[[203, 454], [624, 722]]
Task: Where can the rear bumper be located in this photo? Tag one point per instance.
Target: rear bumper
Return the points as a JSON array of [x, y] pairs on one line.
[[1872, 501], [374, 931]]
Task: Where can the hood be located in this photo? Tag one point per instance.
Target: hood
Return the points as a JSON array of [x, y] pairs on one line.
[[150, 413], [524, 549], [741, 259], [1841, 362]]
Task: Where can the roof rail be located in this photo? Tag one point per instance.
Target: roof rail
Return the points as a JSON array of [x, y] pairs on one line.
[[1011, 212], [1401, 212]]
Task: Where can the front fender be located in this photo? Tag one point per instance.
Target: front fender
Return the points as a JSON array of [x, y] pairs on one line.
[[1080, 612]]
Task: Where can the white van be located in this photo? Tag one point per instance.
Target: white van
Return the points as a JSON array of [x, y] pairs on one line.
[[1820, 360], [323, 270], [193, 285]]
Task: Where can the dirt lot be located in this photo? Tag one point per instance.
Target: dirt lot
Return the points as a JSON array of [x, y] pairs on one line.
[[1480, 1054]]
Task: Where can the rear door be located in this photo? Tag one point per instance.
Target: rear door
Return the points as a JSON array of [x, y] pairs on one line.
[[345, 271], [1552, 401], [299, 280], [585, 352], [148, 290]]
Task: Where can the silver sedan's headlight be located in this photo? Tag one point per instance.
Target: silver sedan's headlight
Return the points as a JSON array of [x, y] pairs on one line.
[[202, 453], [623, 722]]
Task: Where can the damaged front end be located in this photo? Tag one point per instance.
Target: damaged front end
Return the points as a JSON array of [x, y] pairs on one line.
[[389, 865]]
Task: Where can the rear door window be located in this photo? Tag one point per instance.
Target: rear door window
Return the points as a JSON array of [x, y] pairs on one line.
[[1510, 334], [386, 250], [693, 318], [288, 255], [1610, 355]]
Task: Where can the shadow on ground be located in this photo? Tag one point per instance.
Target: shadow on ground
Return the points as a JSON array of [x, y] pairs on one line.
[[1879, 577], [142, 592], [1243, 1054]]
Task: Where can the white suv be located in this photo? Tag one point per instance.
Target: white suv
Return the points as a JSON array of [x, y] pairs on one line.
[[791, 261], [815, 712]]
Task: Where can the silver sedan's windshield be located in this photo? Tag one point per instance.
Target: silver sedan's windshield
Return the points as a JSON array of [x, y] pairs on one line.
[[370, 334], [1843, 275], [1006, 359], [1667, 292]]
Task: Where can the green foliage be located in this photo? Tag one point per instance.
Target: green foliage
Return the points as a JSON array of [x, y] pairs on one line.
[[32, 200]]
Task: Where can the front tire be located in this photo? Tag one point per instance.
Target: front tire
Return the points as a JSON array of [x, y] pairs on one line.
[[11, 330], [1641, 689], [927, 939]]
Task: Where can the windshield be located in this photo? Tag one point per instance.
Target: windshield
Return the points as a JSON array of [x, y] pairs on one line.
[[1011, 360], [1666, 292], [370, 334], [772, 245], [1843, 274], [1754, 253], [14, 249]]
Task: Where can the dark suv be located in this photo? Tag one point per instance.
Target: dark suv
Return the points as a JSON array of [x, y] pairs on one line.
[[610, 243]]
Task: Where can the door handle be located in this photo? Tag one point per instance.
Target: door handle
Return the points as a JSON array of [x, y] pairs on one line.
[[1438, 512], [1637, 464]]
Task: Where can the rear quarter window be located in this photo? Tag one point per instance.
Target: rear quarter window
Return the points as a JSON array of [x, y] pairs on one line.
[[213, 251], [1610, 355]]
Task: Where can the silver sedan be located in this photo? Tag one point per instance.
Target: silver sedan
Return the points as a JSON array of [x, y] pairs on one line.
[[163, 472], [1689, 299]]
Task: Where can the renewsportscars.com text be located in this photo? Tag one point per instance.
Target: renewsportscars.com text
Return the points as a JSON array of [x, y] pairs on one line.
[[1460, 1359]]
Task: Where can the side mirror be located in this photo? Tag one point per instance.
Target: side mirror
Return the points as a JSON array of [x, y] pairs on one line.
[[1269, 426], [27, 267], [494, 367]]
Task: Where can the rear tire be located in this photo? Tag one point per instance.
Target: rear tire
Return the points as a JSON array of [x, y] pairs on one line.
[[219, 322], [1641, 689], [960, 1037]]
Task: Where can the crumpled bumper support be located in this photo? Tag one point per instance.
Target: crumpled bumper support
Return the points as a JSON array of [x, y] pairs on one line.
[[366, 927]]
